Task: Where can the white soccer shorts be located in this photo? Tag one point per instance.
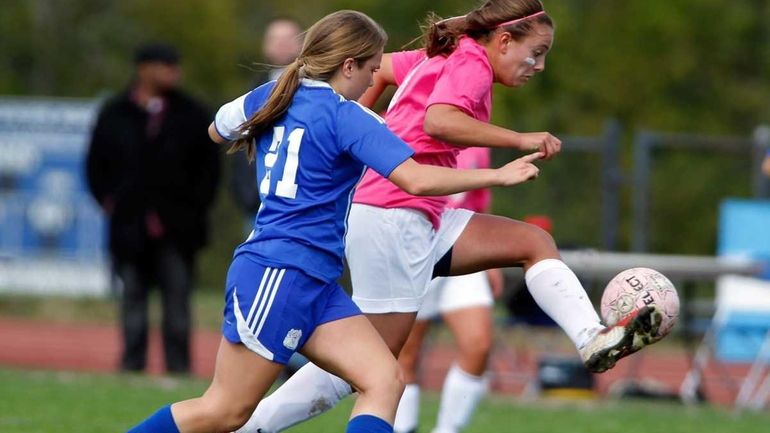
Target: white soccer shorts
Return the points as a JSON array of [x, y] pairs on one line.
[[447, 294], [391, 254]]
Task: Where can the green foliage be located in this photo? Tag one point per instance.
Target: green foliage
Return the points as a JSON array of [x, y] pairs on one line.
[[567, 190], [685, 207], [697, 66]]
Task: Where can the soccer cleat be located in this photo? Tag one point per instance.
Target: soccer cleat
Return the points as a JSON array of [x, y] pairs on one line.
[[612, 343]]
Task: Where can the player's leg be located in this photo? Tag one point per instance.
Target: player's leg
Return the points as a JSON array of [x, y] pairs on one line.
[[490, 241], [409, 358], [408, 413], [269, 313], [408, 246], [312, 390], [465, 383], [494, 242], [309, 392], [241, 377], [390, 256], [466, 308], [342, 347], [466, 305]]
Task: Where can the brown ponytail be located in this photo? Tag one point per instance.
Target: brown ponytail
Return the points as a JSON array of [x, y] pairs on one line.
[[328, 43], [441, 35], [277, 103]]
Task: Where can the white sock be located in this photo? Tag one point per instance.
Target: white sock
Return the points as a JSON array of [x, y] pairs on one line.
[[557, 290], [308, 392], [459, 397], [408, 411]]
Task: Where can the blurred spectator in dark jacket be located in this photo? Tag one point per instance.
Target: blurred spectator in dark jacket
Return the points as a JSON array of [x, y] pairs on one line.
[[154, 171], [281, 44]]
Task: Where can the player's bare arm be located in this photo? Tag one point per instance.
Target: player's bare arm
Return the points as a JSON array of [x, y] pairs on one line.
[[452, 125], [424, 179]]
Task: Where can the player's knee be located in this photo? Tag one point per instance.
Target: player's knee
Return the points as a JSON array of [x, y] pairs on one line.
[[541, 241], [230, 415], [397, 384], [477, 347], [389, 380], [544, 237], [474, 359], [233, 420], [392, 380], [400, 381]]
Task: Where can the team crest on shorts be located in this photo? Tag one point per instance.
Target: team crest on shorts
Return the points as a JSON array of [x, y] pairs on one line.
[[292, 339]]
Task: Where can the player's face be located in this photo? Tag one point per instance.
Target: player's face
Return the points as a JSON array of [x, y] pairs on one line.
[[518, 61], [363, 77]]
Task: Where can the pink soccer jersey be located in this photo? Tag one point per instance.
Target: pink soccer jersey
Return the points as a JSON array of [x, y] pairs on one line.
[[463, 79], [478, 200]]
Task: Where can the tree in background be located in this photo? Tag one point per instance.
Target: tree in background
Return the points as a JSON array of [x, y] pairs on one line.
[[694, 66]]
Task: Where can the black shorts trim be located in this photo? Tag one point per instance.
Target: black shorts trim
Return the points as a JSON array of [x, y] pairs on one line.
[[443, 266]]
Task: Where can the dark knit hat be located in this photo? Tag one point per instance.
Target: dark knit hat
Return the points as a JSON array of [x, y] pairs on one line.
[[157, 52]]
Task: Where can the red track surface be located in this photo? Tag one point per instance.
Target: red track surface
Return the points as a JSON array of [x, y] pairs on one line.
[[92, 348]]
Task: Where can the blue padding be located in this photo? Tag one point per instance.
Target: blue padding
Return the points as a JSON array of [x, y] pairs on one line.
[[741, 336], [744, 228]]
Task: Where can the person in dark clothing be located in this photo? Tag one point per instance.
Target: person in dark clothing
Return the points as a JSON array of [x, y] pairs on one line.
[[281, 44], [154, 171]]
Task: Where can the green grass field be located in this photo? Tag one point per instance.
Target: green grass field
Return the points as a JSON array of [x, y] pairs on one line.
[[49, 402]]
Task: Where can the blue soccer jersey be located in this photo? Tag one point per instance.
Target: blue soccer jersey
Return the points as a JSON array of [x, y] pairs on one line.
[[307, 165]]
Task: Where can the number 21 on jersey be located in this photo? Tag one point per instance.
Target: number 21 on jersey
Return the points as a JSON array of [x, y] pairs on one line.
[[286, 187]]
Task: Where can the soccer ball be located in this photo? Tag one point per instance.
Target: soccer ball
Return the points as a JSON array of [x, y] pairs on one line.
[[634, 288]]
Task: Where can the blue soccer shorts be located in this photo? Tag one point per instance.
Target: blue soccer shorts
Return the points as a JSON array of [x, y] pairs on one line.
[[274, 310]]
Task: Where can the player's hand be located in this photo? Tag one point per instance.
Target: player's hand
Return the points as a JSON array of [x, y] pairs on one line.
[[540, 142], [520, 170]]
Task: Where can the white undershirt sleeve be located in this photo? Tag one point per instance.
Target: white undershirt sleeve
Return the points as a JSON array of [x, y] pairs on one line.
[[230, 117]]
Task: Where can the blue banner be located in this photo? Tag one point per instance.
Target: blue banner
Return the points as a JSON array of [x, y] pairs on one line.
[[47, 216]]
